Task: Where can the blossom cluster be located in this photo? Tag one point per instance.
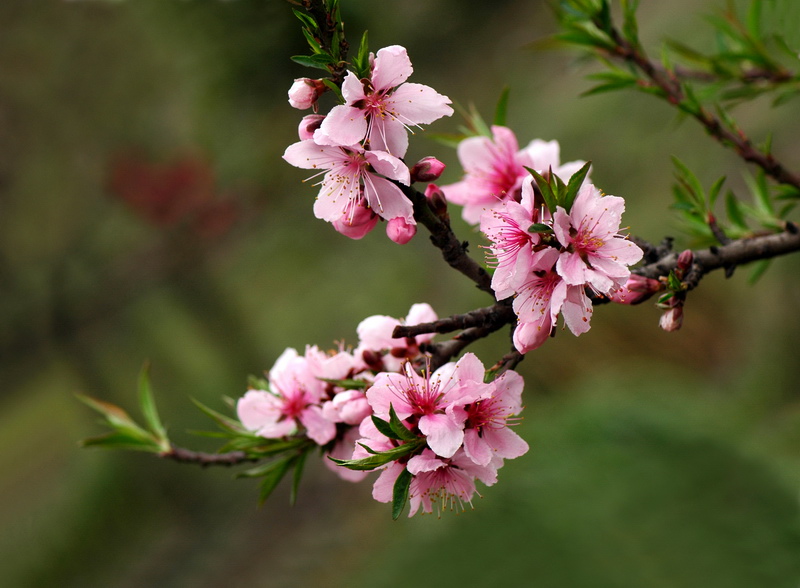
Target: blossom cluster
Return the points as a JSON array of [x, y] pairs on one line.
[[432, 434], [358, 147], [546, 252]]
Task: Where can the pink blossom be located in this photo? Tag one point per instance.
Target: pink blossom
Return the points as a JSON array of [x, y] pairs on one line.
[[351, 181], [427, 169], [382, 108], [309, 124], [487, 433], [495, 167], [360, 222], [292, 401], [541, 298], [375, 337], [637, 289], [349, 406], [596, 254], [512, 244], [305, 92], [400, 231], [447, 484], [435, 401]]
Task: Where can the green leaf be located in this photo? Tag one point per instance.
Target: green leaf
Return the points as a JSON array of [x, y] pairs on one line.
[[548, 195], [224, 422], [759, 268], [274, 476], [540, 228], [693, 187], [384, 428], [347, 384], [148, 406], [574, 186], [400, 493], [297, 475], [313, 44], [319, 61], [673, 283], [306, 19], [361, 62], [379, 458], [713, 192], [501, 110], [256, 383], [119, 440], [734, 211], [399, 428], [335, 89], [116, 417]]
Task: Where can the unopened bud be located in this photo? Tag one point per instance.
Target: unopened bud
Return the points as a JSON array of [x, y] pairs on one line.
[[400, 231], [308, 125], [436, 200], [305, 92], [427, 169], [685, 260], [373, 360], [637, 289], [358, 222], [672, 319]]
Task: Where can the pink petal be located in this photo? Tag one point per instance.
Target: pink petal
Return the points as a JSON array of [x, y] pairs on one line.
[[384, 485], [386, 199], [308, 155], [415, 104], [444, 435], [505, 442], [352, 89], [476, 448], [318, 428], [392, 68], [388, 165], [344, 126]]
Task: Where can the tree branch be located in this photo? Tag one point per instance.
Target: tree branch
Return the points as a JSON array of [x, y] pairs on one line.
[[442, 236], [205, 460]]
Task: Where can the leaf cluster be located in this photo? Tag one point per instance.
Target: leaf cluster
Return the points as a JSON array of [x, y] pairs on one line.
[[125, 432]]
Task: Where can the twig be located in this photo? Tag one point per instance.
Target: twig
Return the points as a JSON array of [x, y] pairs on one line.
[[205, 460]]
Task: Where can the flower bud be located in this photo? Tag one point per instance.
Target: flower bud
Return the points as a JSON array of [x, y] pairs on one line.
[[685, 260], [436, 200], [357, 223], [427, 169], [308, 125], [304, 93], [400, 231], [672, 319], [637, 289]]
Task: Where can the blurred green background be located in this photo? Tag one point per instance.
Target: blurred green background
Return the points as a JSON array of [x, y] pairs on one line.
[[145, 214]]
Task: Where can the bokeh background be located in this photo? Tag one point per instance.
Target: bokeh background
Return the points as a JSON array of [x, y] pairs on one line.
[[145, 214]]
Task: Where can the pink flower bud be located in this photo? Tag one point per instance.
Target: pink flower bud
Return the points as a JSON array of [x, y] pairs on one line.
[[672, 319], [685, 260], [304, 93], [358, 223], [308, 125], [637, 289], [427, 169], [400, 231], [436, 200]]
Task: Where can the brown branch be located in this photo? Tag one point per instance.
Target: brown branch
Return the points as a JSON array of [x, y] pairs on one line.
[[442, 236], [734, 253], [670, 85], [205, 460], [500, 313]]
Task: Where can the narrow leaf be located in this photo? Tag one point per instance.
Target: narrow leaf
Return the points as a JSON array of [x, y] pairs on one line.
[[547, 192], [399, 428], [384, 428], [297, 476], [501, 110], [148, 406], [274, 477], [574, 186], [400, 493]]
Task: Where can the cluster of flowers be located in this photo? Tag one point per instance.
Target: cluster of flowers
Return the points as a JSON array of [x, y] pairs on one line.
[[546, 259], [358, 147], [370, 409]]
